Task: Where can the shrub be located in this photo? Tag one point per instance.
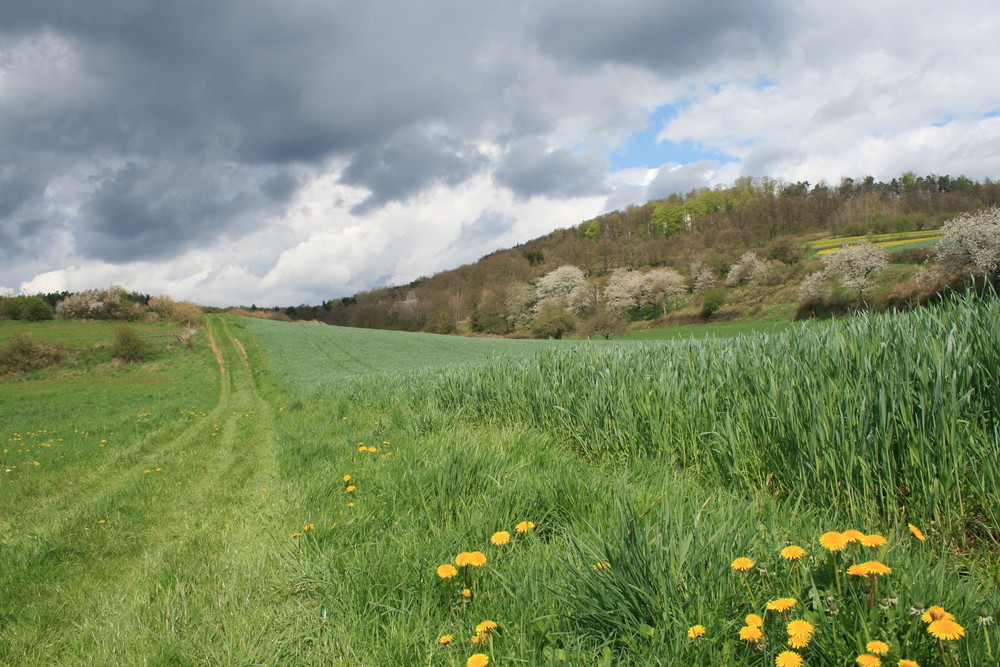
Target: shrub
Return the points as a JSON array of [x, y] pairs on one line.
[[128, 347], [711, 301], [29, 308], [104, 304], [552, 321], [20, 355]]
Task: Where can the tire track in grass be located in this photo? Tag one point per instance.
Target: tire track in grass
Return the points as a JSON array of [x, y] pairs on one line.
[[196, 578]]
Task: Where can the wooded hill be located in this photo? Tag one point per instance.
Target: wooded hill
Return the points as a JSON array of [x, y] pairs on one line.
[[706, 229]]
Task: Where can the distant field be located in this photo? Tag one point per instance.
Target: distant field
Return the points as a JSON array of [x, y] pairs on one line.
[[891, 242]]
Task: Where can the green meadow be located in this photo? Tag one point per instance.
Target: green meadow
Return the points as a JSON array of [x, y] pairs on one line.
[[300, 494]]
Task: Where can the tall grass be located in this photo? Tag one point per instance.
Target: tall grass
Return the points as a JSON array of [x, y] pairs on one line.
[[881, 413]]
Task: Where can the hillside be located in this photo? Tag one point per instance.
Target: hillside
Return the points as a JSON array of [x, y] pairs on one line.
[[706, 230]]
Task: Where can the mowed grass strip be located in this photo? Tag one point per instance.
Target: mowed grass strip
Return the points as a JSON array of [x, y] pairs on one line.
[[158, 545]]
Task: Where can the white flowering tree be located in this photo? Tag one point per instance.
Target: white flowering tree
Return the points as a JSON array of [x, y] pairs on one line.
[[744, 270], [970, 242], [559, 283], [853, 267], [665, 287], [625, 290], [702, 277]]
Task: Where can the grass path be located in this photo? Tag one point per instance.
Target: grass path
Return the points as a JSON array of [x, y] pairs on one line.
[[187, 567]]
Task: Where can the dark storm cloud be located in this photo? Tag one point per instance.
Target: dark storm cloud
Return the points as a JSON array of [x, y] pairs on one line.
[[148, 127], [407, 164], [529, 169], [669, 37]]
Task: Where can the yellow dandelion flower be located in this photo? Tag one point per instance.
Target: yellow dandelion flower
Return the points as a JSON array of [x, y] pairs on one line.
[[833, 541], [751, 634], [524, 526], [477, 559], [446, 639], [793, 552], [907, 663], [102, 521], [753, 620], [868, 660], [486, 627], [799, 641], [852, 535], [372, 450], [946, 629], [308, 526], [782, 604], [800, 627], [916, 532], [296, 534], [477, 660], [602, 566], [788, 659], [466, 593], [936, 613], [145, 471], [742, 564], [857, 571], [877, 647], [262, 490], [876, 568], [350, 504], [351, 488], [362, 448], [347, 478], [696, 631], [873, 541], [446, 571], [500, 538], [462, 559]]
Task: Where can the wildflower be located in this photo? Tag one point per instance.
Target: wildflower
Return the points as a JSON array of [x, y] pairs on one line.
[[857, 571], [473, 558], [873, 541], [916, 532], [753, 620], [788, 659], [486, 627], [751, 634], [877, 568], [524, 526], [908, 663], [877, 647], [696, 631], [466, 593], [793, 552], [447, 571], [350, 504], [351, 488], [347, 478], [478, 660], [500, 538], [868, 660], [462, 559], [936, 613], [102, 521], [308, 526], [781, 604], [372, 450], [262, 490], [362, 448], [852, 535], [145, 471], [799, 641], [833, 541], [742, 564], [602, 566], [296, 534], [800, 627], [446, 639], [946, 629]]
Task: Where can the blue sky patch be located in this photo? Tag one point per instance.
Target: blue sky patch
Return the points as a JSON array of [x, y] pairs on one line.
[[642, 149]]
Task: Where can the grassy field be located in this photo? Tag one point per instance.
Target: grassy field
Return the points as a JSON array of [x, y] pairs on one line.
[[313, 492]]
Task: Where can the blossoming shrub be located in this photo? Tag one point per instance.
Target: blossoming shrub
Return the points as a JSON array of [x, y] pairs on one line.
[[111, 303]]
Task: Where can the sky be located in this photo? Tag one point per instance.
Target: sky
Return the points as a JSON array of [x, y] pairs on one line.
[[241, 152]]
